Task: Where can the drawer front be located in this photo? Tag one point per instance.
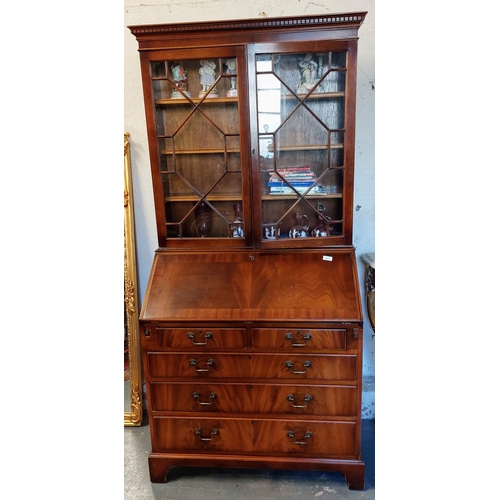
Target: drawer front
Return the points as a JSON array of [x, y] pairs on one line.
[[244, 398], [245, 436], [196, 338], [254, 366], [299, 339]]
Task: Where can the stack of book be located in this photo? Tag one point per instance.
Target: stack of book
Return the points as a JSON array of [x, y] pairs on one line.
[[301, 178]]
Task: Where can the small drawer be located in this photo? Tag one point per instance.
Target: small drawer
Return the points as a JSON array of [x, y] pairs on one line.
[[244, 436], [205, 397], [255, 366], [299, 339], [195, 338]]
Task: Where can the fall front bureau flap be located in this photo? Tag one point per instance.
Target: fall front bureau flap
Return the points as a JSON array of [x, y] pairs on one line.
[[254, 286]]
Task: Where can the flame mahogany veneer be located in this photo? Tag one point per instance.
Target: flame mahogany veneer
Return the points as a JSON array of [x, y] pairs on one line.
[[253, 359], [252, 338]]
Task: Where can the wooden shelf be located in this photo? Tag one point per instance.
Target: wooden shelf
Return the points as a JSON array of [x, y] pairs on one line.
[[211, 197], [314, 147], [314, 95], [196, 100], [273, 197], [237, 197], [198, 151], [234, 100]]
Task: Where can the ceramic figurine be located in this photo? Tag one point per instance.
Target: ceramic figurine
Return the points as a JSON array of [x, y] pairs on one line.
[[231, 69], [180, 80], [270, 233], [311, 73], [207, 78]]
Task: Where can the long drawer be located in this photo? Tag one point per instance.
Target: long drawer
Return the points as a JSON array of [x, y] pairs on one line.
[[312, 438], [205, 397], [255, 366]]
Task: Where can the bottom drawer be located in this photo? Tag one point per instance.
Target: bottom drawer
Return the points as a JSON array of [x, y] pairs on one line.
[[243, 436]]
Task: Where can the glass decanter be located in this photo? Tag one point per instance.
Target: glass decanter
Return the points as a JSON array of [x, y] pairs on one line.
[[236, 227], [301, 229], [323, 228], [203, 215]]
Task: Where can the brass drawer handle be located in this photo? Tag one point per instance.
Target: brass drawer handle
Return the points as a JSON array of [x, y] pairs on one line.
[[289, 337], [208, 335], [307, 435], [289, 365], [210, 362], [307, 399], [212, 396], [201, 438]]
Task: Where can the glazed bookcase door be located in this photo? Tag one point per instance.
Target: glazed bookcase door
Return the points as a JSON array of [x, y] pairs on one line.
[[198, 167], [303, 139]]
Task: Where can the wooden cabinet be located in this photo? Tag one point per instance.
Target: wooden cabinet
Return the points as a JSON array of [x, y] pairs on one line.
[[251, 326]]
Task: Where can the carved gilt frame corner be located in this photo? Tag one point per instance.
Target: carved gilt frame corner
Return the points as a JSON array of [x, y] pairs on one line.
[[131, 303]]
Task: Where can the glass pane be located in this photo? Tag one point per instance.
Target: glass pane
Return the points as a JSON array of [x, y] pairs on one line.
[[197, 125], [301, 120]]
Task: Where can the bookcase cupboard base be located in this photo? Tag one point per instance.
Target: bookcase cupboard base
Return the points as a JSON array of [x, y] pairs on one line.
[[353, 470]]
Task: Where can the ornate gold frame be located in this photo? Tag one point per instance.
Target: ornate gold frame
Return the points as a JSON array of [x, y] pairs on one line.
[[131, 303]]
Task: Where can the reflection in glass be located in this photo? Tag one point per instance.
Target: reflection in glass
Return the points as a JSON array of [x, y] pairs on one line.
[[301, 110]]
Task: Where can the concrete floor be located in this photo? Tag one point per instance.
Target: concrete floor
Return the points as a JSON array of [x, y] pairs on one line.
[[245, 484]]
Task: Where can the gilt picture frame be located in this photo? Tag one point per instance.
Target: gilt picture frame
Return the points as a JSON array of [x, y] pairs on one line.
[[132, 358]]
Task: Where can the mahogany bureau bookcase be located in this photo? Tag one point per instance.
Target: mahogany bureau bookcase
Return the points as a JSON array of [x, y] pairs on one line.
[[251, 326]]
